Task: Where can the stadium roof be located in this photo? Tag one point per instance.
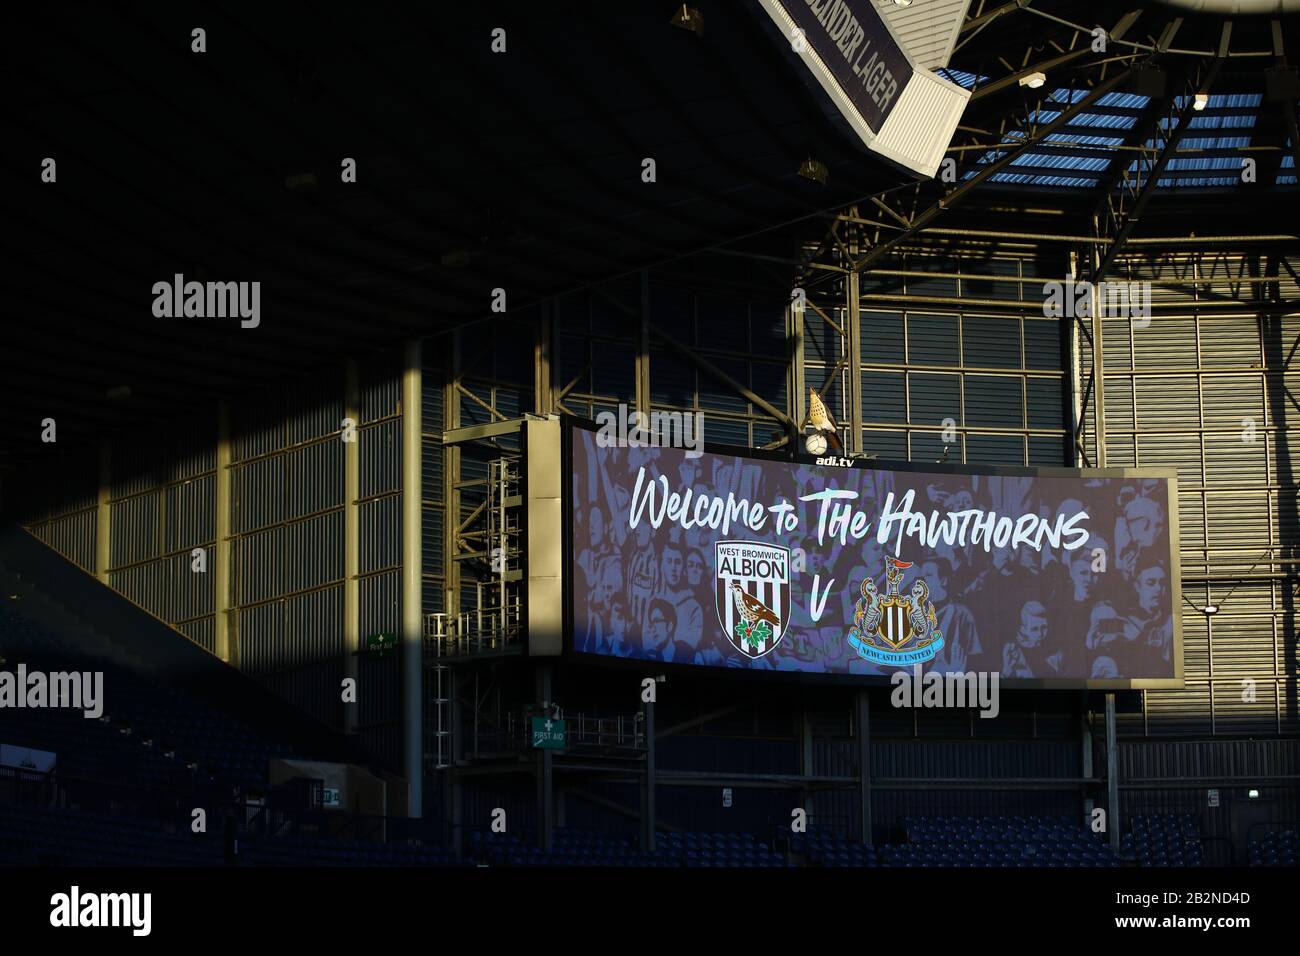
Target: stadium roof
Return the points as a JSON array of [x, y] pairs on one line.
[[520, 170]]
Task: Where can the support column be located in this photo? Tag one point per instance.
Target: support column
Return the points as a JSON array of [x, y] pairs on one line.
[[1098, 376], [643, 348], [545, 768], [853, 347], [863, 729], [1085, 768], [794, 331], [805, 757], [543, 394], [1112, 775], [412, 619], [451, 479], [648, 782], [225, 647], [352, 538], [103, 513]]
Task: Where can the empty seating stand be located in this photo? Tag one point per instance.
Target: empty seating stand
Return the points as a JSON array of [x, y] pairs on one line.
[[1275, 849], [1163, 840]]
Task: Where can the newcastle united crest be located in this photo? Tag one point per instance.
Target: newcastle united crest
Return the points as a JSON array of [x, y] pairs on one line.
[[895, 629], [752, 592]]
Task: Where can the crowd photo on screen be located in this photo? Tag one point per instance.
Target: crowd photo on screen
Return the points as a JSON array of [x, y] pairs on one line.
[[1102, 610]]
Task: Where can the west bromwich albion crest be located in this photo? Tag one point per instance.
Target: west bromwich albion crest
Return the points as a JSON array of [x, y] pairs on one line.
[[895, 629], [752, 591]]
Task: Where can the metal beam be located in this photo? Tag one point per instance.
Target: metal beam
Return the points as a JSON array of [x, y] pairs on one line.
[[1289, 120], [724, 378], [975, 22], [955, 196], [457, 436], [1145, 127], [1134, 215], [1046, 66]]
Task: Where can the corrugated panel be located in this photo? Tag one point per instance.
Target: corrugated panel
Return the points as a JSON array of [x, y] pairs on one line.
[[991, 342], [313, 478], [1216, 758], [431, 455], [931, 339], [169, 588], [995, 449], [381, 458], [1185, 712], [920, 126], [1230, 341], [257, 425], [314, 407], [380, 599], [994, 401], [73, 536], [312, 687], [257, 494], [313, 629], [202, 633], [193, 449], [135, 534], [191, 514], [313, 552], [381, 534], [884, 397], [433, 379], [613, 371], [933, 399], [261, 637], [135, 467], [882, 337], [989, 759], [256, 561], [381, 387], [1042, 341], [672, 379], [726, 430], [716, 396]]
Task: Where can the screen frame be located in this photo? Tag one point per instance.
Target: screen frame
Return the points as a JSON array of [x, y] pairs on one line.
[[571, 424]]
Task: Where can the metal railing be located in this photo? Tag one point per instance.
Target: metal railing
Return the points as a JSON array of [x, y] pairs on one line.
[[483, 629]]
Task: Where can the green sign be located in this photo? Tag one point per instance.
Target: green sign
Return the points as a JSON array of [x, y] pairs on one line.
[[548, 733], [379, 643]]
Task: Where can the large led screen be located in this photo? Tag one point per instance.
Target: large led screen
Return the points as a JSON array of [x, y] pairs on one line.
[[1047, 577]]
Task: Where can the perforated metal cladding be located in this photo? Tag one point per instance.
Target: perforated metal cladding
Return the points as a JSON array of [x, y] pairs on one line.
[[1207, 394]]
